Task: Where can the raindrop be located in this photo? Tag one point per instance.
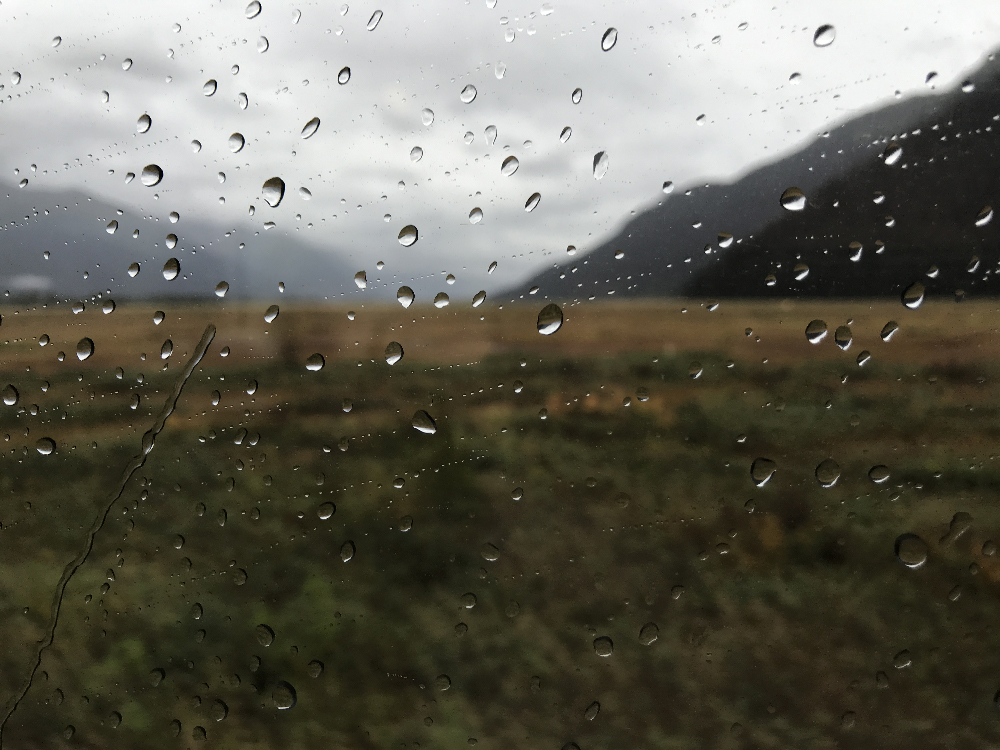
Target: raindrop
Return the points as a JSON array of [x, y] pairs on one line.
[[10, 395], [315, 362], [509, 166], [499, 70], [174, 217], [600, 164], [167, 349], [490, 552], [550, 319], [468, 94], [475, 215], [889, 330], [221, 288], [824, 35], [609, 39], [273, 191], [244, 102], [347, 551], [270, 314], [262, 44], [913, 295], [725, 240], [603, 646], [879, 474], [236, 142], [842, 337], [985, 216], [761, 471], [310, 128], [911, 550], [156, 676], [441, 300], [210, 87], [344, 75], [253, 9], [112, 227], [565, 134], [491, 134], [84, 349], [577, 95], [442, 682], [416, 154], [801, 271], [892, 154], [170, 241], [592, 710], [264, 634], [361, 279], [393, 352], [196, 146], [219, 710], [45, 446], [649, 633], [816, 331], [424, 422], [404, 295], [158, 317], [126, 63], [373, 21], [133, 270], [151, 175], [427, 117], [108, 307], [828, 472], [407, 235], [105, 97], [315, 668], [171, 269], [283, 696], [793, 199], [668, 187], [15, 78], [469, 600], [479, 298], [56, 41], [144, 123], [532, 203]]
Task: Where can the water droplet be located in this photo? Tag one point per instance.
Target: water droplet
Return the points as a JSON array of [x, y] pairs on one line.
[[475, 215], [828, 472], [108, 307], [262, 44], [609, 39], [491, 134], [283, 696], [468, 94], [879, 474], [15, 78], [219, 710], [479, 298], [911, 550], [913, 295], [264, 634], [373, 21], [889, 330], [171, 241], [603, 646], [424, 422], [56, 41], [167, 349], [592, 710], [842, 337], [404, 296], [221, 289], [550, 319], [600, 164], [144, 123], [133, 270], [126, 63], [985, 216], [565, 134], [793, 199], [427, 117], [416, 154], [315, 362], [344, 75], [801, 271], [325, 511], [45, 446], [273, 191], [407, 236], [315, 668], [361, 279], [647, 636], [210, 87], [824, 35], [532, 203], [112, 227], [296, 15], [10, 395], [171, 269], [236, 142], [892, 154], [393, 352], [761, 471], [253, 9], [243, 101], [310, 128], [84, 348], [105, 97], [499, 70], [151, 175], [347, 551], [509, 166], [577, 95], [156, 676], [441, 300]]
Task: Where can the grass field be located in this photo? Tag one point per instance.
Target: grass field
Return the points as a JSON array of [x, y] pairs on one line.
[[491, 557]]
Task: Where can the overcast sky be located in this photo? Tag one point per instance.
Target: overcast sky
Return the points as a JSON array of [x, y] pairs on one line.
[[672, 63]]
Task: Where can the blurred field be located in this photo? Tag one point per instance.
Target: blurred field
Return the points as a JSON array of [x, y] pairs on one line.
[[776, 608]]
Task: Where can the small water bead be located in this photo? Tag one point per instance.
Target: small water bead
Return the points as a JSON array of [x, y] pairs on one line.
[[509, 166], [479, 298], [761, 471], [913, 295], [45, 446], [441, 299], [609, 39], [151, 175], [592, 711], [112, 227], [801, 271], [15, 78], [174, 217], [827, 473], [156, 676], [310, 128], [475, 215], [347, 551], [416, 154], [271, 314], [221, 289], [550, 319], [236, 142], [842, 337], [725, 239], [242, 100], [601, 163], [889, 330], [468, 94], [695, 370], [325, 511], [577, 95], [393, 352], [315, 362], [167, 349], [252, 10], [532, 203], [264, 635], [985, 216], [126, 63], [406, 523], [10, 395], [427, 117], [171, 269], [824, 35], [373, 21], [469, 137], [84, 348], [879, 474], [283, 696], [144, 123], [158, 317], [219, 710], [649, 633], [491, 134], [315, 668], [171, 241], [911, 550], [344, 75], [273, 191], [404, 295], [892, 154], [603, 646], [210, 87], [793, 199], [262, 44], [468, 600], [863, 357], [424, 422], [108, 307], [105, 97]]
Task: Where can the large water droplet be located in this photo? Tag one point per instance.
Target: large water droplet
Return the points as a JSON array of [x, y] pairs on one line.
[[532, 203], [911, 550], [264, 634], [112, 227], [816, 331], [600, 164], [828, 472], [221, 289], [824, 35], [144, 123], [577, 95], [126, 63], [283, 696], [133, 270], [475, 215], [344, 75], [793, 199], [479, 298], [315, 362], [271, 314], [892, 154], [347, 551], [592, 711], [210, 87], [151, 175], [441, 299], [56, 41], [842, 337], [171, 269], [373, 21], [416, 154], [648, 635], [468, 94], [253, 9], [84, 348], [404, 296], [46, 446], [609, 39], [262, 44], [427, 117], [603, 646], [913, 295], [424, 422], [889, 330], [393, 352], [879, 474], [310, 127], [509, 166], [407, 235], [170, 241], [273, 191], [985, 216], [236, 142], [761, 471], [361, 279], [10, 395], [326, 510], [167, 349], [491, 134], [550, 319]]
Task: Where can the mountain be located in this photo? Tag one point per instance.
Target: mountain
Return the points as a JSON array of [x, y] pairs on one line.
[[909, 214]]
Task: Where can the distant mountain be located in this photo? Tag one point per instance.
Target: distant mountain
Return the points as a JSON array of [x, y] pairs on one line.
[[922, 206]]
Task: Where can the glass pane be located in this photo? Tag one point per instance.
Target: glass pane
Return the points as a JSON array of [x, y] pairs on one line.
[[564, 375]]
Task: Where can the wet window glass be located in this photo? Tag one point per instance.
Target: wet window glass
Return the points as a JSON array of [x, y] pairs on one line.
[[563, 375]]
